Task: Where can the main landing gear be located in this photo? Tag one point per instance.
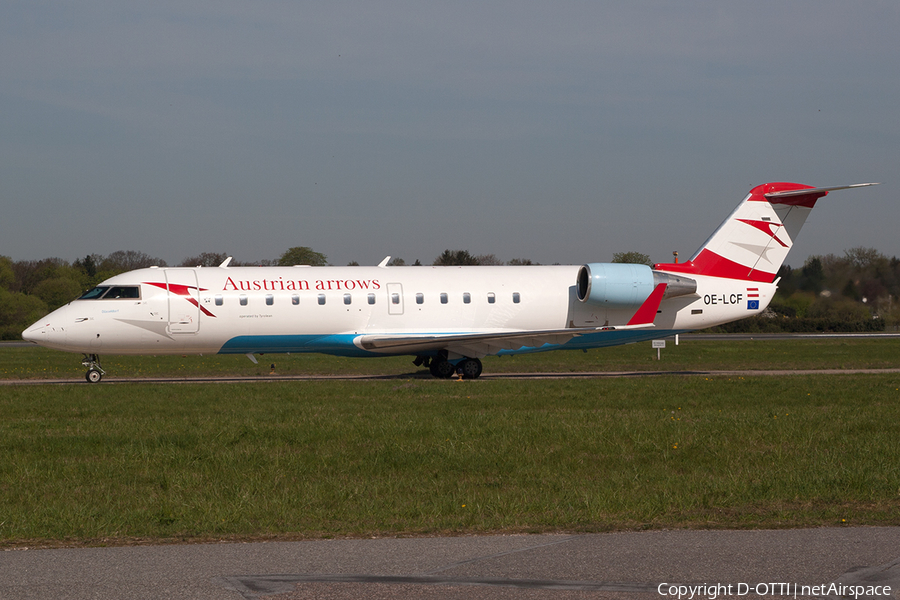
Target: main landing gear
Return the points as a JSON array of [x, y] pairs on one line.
[[441, 368], [94, 373]]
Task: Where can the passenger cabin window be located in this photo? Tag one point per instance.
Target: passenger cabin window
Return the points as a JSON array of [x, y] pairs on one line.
[[321, 299], [270, 299], [467, 298], [516, 298], [371, 298], [395, 298], [219, 300], [420, 298], [243, 298], [444, 298], [295, 299], [348, 299], [491, 298]]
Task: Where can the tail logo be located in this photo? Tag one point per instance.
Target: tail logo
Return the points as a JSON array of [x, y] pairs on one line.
[[767, 228]]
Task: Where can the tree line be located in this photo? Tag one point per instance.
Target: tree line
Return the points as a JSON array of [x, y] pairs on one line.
[[29, 289], [854, 292]]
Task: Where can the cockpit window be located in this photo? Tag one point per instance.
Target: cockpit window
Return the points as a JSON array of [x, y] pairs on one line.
[[129, 292], [123, 291], [95, 293]]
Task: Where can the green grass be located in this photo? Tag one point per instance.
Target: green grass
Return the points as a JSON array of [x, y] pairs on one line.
[[115, 464], [690, 355]]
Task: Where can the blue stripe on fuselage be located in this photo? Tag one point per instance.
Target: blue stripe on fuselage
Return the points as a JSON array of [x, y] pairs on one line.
[[338, 344], [342, 344]]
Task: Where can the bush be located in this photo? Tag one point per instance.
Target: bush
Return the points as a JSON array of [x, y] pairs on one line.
[[801, 325], [17, 311]]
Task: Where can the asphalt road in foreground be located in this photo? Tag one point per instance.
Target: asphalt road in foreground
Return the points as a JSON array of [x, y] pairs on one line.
[[860, 561]]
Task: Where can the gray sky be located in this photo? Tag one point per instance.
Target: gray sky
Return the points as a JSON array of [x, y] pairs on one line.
[[554, 131]]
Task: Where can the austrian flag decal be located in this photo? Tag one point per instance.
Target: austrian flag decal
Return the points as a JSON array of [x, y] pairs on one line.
[[752, 298]]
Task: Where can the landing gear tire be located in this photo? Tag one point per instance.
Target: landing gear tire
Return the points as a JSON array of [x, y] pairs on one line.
[[470, 368], [95, 372], [442, 368]]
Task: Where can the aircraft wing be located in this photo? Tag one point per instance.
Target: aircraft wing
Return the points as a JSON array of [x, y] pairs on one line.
[[477, 345]]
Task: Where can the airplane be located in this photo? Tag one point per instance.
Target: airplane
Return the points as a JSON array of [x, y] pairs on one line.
[[448, 318]]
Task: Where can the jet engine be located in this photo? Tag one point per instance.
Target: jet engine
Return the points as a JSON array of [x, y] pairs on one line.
[[618, 285]]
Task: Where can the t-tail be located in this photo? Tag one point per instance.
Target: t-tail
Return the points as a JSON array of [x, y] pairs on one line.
[[754, 240]]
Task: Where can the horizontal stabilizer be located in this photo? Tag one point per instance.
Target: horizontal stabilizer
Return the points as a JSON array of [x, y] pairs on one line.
[[807, 196], [789, 193]]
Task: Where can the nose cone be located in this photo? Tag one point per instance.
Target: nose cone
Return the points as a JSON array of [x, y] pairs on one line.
[[37, 333], [50, 331]]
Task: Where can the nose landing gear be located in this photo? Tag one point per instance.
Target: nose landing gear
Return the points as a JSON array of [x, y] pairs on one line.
[[95, 372]]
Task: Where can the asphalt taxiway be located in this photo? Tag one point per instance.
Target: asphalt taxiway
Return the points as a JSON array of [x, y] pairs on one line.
[[424, 375], [624, 566]]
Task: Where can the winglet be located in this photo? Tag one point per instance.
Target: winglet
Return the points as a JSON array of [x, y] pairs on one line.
[[646, 314]]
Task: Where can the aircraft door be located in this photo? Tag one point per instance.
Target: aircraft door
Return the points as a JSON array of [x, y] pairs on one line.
[[184, 300], [395, 299]]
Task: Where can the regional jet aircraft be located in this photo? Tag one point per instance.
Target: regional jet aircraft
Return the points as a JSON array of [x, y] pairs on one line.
[[448, 318]]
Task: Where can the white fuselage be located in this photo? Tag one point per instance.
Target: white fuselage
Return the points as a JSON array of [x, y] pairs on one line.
[[328, 309], [448, 317]]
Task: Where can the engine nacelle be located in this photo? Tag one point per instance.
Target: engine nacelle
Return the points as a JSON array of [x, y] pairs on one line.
[[616, 285], [619, 285]]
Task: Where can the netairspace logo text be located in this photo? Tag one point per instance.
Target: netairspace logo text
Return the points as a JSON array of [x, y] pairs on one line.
[[712, 591]]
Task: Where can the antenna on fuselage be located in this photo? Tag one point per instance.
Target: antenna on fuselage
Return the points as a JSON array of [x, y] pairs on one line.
[[225, 262], [384, 263]]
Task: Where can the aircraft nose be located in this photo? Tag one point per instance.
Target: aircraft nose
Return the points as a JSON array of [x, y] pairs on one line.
[[36, 333], [50, 331]]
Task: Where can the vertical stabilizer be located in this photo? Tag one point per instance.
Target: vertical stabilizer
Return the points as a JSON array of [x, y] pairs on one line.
[[755, 239]]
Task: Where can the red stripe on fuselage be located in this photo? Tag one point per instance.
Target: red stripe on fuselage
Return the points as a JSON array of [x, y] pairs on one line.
[[710, 263], [647, 312], [183, 291]]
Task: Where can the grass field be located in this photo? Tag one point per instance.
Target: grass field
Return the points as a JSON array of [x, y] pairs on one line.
[[105, 464]]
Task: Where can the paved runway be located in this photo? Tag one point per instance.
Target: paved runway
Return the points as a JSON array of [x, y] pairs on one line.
[[624, 566], [424, 375]]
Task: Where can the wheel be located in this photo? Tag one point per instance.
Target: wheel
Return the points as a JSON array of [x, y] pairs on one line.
[[93, 376], [442, 369], [471, 368]]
